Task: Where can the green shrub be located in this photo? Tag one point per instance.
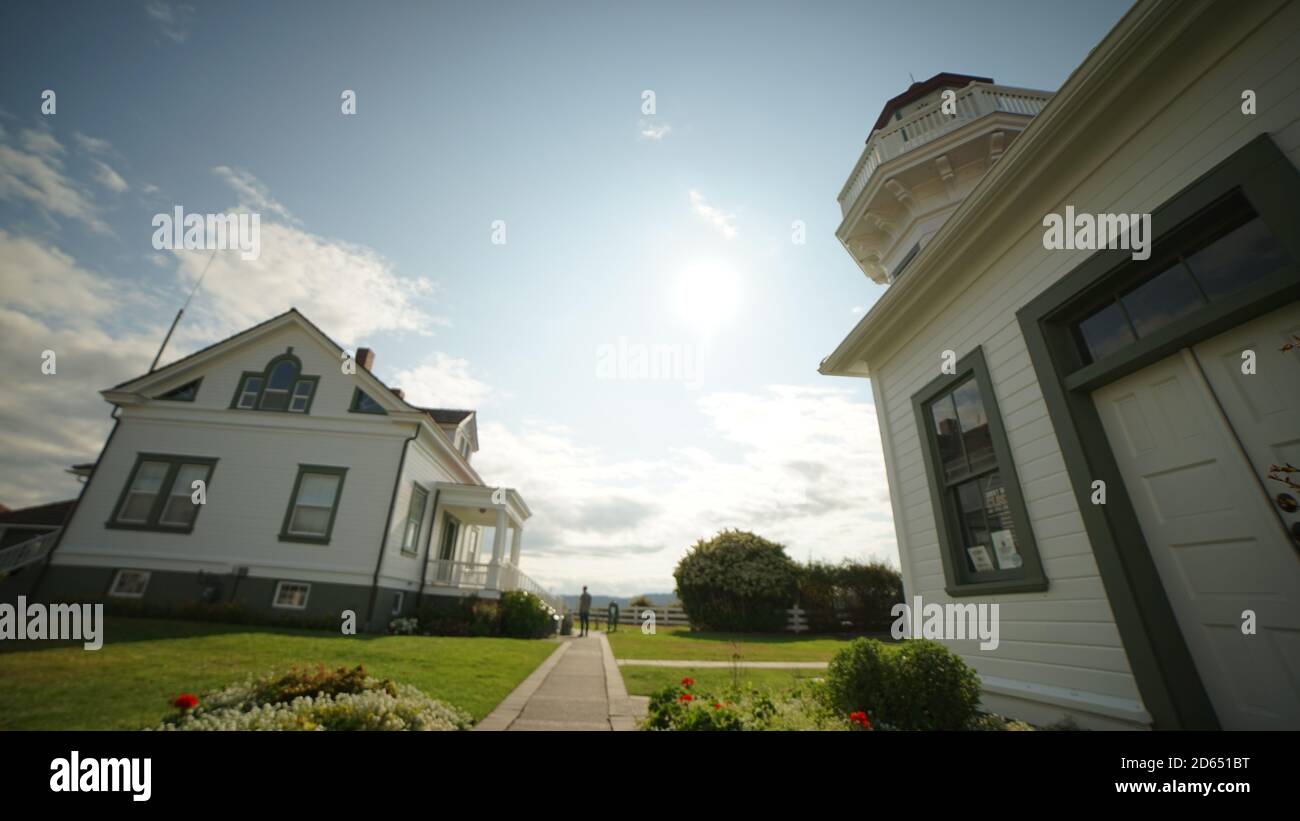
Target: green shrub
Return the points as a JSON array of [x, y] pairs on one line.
[[466, 616], [524, 616], [820, 595], [869, 592], [920, 685], [736, 581]]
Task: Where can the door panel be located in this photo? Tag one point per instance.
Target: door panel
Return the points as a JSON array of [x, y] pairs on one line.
[[1215, 540], [1264, 406]]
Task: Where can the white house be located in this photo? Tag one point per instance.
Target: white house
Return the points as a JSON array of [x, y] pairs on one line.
[[323, 490], [1082, 436]]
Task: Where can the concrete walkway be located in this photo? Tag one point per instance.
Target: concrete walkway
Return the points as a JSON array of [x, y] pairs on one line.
[[578, 687]]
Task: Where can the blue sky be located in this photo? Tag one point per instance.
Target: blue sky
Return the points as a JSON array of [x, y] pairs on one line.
[[671, 229]]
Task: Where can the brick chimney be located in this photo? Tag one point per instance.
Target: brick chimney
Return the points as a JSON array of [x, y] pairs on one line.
[[399, 393], [366, 358]]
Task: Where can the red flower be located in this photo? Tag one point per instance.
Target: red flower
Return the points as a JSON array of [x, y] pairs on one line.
[[686, 697], [860, 718], [185, 701], [688, 682], [717, 706]]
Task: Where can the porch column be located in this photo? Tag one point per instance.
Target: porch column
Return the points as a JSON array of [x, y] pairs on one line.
[[494, 579], [499, 537], [515, 542]]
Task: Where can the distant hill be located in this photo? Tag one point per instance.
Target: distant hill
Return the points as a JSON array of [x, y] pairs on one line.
[[600, 601]]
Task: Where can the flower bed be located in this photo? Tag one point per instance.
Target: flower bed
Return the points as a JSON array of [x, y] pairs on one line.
[[343, 699]]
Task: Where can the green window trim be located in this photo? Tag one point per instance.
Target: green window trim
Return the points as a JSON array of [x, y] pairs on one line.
[[414, 516], [960, 580], [318, 470], [263, 377], [1269, 182], [355, 405], [162, 496]]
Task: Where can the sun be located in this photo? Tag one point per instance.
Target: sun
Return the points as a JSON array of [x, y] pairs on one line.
[[707, 294]]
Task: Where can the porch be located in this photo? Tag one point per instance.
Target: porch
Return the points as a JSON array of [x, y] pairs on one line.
[[454, 566]]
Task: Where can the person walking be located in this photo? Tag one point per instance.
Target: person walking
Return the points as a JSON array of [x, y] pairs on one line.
[[584, 609]]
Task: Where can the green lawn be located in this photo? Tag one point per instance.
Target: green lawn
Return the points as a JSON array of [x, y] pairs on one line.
[[681, 643], [145, 663], [643, 681]]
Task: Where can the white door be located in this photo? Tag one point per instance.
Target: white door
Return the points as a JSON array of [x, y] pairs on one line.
[[1194, 438]]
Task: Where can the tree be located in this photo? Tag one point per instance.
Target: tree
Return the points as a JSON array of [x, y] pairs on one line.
[[736, 581]]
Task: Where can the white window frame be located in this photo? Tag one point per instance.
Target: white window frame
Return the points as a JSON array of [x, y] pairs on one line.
[[117, 582], [398, 602], [279, 588]]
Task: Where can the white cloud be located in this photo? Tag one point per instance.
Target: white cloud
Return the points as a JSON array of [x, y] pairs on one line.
[[50, 421], [253, 194], [92, 145], [817, 486], [34, 174], [724, 222], [173, 19], [349, 290], [110, 179], [441, 381], [655, 131], [45, 281]]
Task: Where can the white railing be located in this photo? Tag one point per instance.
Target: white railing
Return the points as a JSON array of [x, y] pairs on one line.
[[446, 573], [28, 552], [897, 138], [512, 578], [481, 576]]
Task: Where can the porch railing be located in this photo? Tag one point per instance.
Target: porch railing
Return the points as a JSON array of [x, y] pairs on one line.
[[28, 552], [445, 573]]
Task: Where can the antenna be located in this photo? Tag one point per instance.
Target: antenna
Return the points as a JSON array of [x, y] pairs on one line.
[[181, 312]]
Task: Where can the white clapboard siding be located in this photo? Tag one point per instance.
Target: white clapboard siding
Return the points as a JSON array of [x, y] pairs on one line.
[[1153, 145], [248, 494]]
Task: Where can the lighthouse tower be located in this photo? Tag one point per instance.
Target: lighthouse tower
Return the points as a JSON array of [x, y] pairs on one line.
[[929, 148]]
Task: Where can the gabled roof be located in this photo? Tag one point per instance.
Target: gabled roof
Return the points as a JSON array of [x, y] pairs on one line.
[[916, 91], [446, 416], [293, 315], [52, 514]]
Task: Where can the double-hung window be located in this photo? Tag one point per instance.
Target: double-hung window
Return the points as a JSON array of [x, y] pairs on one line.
[[163, 492], [986, 544], [313, 504], [414, 519]]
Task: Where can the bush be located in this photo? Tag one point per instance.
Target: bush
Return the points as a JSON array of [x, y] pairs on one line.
[[920, 685], [466, 616], [404, 627], [870, 592], [524, 616], [736, 581], [343, 699]]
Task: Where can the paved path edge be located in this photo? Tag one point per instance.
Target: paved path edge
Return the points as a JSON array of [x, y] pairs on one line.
[[512, 705]]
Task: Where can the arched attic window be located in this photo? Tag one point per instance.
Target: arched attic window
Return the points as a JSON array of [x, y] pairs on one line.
[[281, 386]]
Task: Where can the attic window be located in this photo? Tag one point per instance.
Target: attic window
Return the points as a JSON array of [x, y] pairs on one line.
[[185, 393], [363, 403], [280, 387]]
